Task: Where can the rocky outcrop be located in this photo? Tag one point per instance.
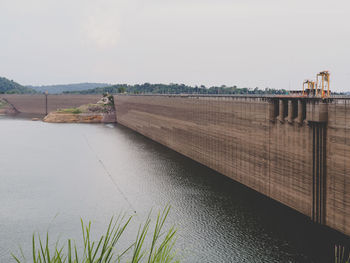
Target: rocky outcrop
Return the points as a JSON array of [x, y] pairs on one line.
[[101, 112]]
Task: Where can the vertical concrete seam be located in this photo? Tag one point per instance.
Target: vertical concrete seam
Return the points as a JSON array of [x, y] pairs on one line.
[[344, 183], [269, 155]]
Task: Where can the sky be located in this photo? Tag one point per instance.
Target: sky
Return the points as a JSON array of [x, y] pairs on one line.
[[248, 43]]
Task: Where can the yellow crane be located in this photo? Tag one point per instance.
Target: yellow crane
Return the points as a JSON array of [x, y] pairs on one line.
[[310, 88], [322, 81], [320, 87]]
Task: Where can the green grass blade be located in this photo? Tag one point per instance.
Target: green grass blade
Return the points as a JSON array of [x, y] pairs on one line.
[[104, 249], [42, 251], [15, 258], [33, 246]]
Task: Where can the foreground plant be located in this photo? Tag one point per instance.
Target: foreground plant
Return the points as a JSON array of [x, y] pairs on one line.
[[340, 255], [105, 249]]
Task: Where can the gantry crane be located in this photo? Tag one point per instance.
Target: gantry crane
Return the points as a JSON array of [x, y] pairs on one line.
[[310, 89], [322, 81], [318, 88]]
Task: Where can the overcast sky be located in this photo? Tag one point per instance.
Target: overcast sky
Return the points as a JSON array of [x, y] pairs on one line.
[[249, 43]]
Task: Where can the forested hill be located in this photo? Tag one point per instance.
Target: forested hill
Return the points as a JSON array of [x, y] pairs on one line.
[[175, 89], [57, 89], [10, 87]]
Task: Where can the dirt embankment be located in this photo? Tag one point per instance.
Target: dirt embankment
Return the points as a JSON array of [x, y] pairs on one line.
[[6, 108], [57, 117], [101, 112]]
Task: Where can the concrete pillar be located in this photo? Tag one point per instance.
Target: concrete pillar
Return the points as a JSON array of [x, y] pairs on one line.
[[301, 112], [273, 110], [283, 110], [290, 111]]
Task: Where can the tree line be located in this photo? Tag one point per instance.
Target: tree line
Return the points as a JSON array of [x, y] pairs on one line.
[[10, 87], [148, 88]]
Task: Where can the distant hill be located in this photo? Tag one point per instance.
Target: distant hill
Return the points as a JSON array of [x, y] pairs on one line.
[[57, 89], [10, 87]]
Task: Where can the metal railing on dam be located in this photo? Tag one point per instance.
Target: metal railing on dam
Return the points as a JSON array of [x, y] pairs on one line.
[[295, 150]]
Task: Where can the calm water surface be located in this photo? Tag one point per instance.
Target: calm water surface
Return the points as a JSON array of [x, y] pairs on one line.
[[54, 174]]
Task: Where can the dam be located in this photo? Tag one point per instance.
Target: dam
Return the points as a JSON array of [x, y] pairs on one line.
[[292, 149]]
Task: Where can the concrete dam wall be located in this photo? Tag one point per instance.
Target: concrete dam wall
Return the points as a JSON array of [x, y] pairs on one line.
[[36, 103], [294, 150]]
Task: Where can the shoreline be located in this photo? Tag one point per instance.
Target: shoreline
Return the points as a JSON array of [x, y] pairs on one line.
[[58, 117]]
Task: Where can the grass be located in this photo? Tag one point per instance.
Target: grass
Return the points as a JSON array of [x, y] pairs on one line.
[[160, 249], [106, 249], [70, 110], [340, 255]]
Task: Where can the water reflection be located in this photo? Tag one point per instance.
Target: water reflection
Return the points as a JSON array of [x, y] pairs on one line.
[[94, 171]]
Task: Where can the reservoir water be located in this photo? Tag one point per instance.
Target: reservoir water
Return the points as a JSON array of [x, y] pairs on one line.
[[51, 175]]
